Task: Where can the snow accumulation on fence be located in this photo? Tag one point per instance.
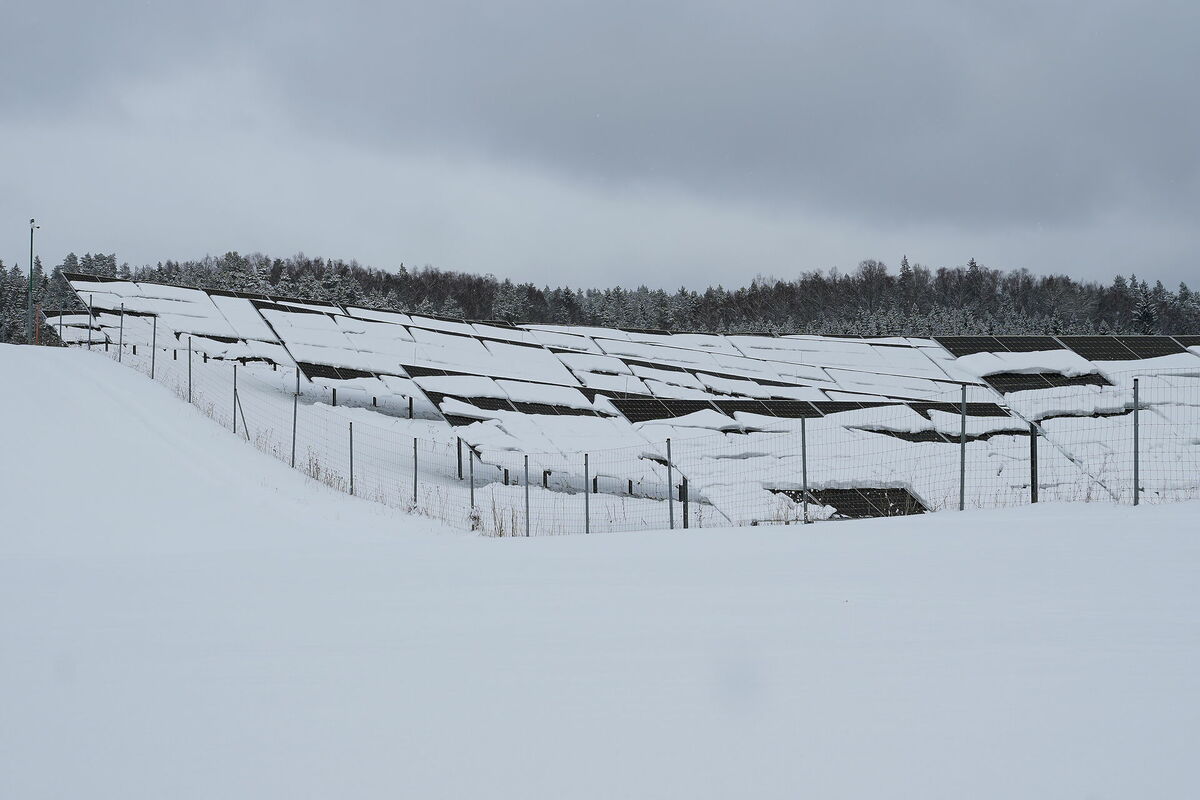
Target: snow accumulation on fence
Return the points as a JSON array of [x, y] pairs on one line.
[[182, 617], [557, 429]]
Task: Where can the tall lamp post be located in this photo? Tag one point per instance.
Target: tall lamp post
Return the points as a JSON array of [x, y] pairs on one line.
[[33, 226]]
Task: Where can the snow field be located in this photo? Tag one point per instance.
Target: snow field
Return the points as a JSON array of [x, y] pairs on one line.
[[183, 617]]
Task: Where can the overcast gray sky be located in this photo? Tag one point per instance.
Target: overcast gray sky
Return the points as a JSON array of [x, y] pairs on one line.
[[596, 143]]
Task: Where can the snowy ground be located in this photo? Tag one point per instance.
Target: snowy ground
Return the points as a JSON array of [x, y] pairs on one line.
[[194, 619]]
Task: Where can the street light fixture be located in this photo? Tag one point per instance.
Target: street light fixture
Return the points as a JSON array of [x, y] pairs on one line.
[[33, 226]]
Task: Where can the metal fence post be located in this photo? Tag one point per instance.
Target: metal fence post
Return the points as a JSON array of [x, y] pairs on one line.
[[1136, 487], [670, 489], [587, 510], [526, 495], [804, 466], [121, 340], [235, 397], [189, 369], [410, 408], [153, 344], [683, 496], [414, 472], [471, 468], [295, 403], [60, 316], [91, 317], [351, 458], [458, 441], [962, 453], [1033, 462]]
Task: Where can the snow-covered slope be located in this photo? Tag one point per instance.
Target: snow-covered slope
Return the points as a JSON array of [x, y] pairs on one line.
[[194, 619]]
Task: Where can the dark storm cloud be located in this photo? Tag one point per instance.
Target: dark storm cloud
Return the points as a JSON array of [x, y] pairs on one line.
[[1023, 133]]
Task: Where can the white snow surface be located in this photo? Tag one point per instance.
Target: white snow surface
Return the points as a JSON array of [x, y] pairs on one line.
[[196, 620]]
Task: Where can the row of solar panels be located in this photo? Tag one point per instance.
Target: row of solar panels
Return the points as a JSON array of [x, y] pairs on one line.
[[346, 346], [1093, 348], [647, 409]]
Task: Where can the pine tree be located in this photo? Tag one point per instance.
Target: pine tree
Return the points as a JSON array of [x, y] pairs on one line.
[[1145, 315]]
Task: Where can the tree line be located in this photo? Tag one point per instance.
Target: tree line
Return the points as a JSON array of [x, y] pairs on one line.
[[871, 300]]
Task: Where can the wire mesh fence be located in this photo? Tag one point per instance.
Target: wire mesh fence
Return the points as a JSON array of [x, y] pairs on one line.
[[1074, 443]]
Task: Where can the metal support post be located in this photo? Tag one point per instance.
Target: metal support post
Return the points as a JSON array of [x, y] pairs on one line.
[[414, 471], [410, 408], [1136, 483], [587, 510], [471, 469], [60, 316], [351, 458], [526, 495], [153, 344], [1033, 462], [91, 317], [683, 495], [458, 440], [670, 492], [804, 466], [190, 370], [334, 390], [295, 402], [121, 339], [235, 397], [962, 453]]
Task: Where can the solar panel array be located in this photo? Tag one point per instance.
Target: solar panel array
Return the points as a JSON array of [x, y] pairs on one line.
[[741, 399]]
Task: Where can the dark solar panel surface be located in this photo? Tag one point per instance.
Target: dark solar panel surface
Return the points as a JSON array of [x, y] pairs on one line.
[[681, 408], [568, 411], [985, 410], [79, 276], [749, 406], [1188, 341], [318, 371], [422, 372], [969, 345], [534, 408], [490, 403], [1006, 382], [1151, 346], [923, 408], [863, 502], [1093, 379], [267, 305], [641, 409], [792, 409], [1099, 348], [633, 362], [920, 436], [835, 406], [1028, 344]]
